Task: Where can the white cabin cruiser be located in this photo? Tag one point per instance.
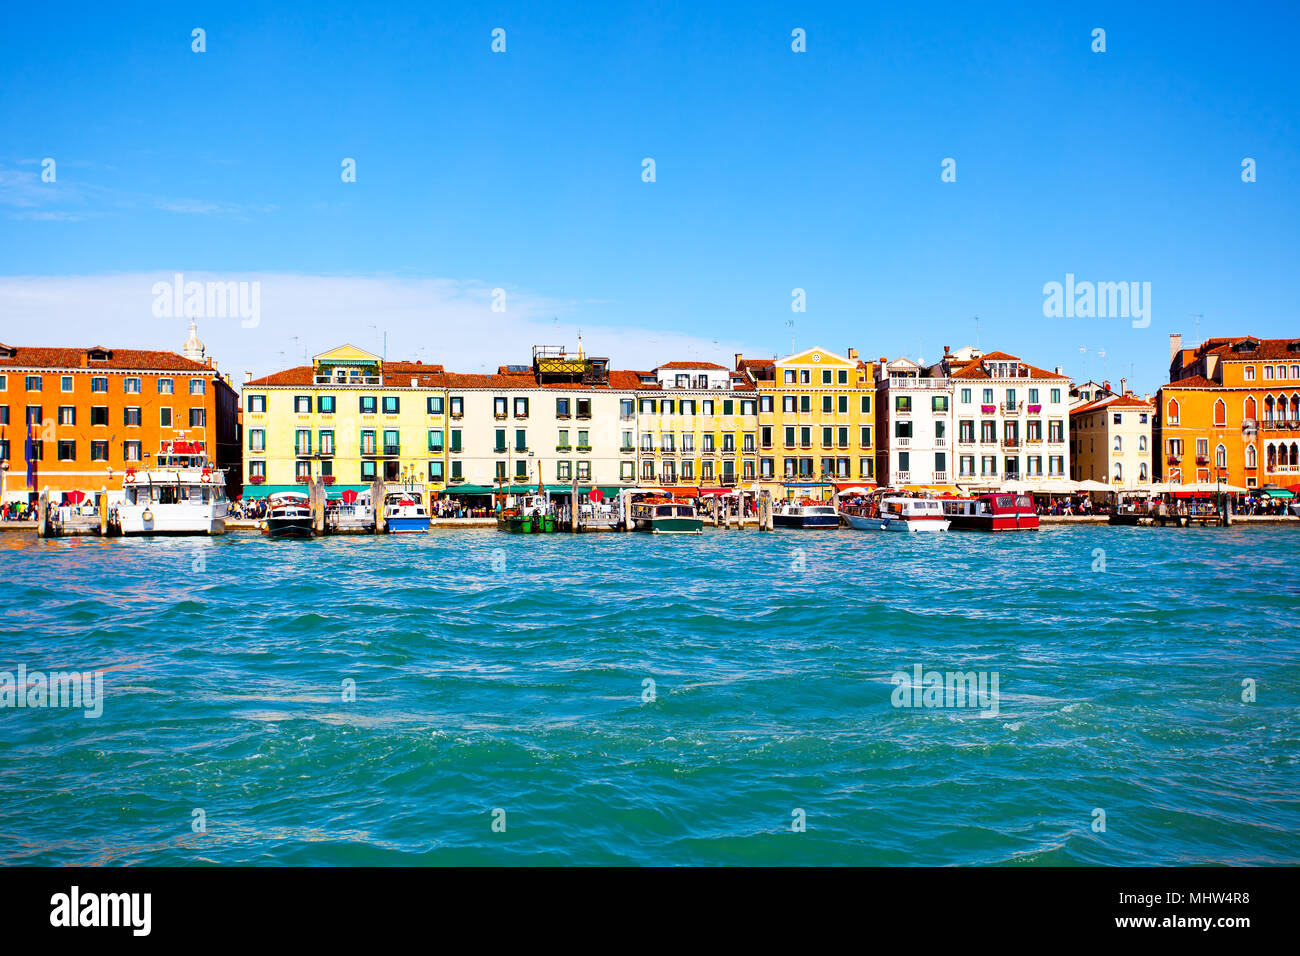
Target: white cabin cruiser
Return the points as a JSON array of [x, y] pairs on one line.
[[896, 513], [172, 498]]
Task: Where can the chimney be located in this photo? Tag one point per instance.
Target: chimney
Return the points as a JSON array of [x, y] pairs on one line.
[[1123, 386], [738, 357], [946, 351], [1059, 371], [883, 361], [1175, 344], [853, 354], [212, 363], [248, 377], [414, 381]]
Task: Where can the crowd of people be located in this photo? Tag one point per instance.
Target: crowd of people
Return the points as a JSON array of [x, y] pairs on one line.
[[1077, 505]]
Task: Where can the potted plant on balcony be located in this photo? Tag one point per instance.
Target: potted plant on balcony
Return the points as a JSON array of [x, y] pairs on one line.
[[256, 479], [327, 479]]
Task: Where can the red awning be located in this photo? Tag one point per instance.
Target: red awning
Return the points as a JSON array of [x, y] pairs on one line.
[[846, 485]]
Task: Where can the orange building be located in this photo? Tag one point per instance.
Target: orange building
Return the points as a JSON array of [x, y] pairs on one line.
[[1231, 411], [95, 412]]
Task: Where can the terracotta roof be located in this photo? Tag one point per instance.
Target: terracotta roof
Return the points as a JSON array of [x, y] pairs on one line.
[[974, 368], [693, 365], [1116, 401], [1000, 356], [1267, 349], [1193, 381], [144, 360]]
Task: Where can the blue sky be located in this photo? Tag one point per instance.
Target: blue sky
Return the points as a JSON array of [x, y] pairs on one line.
[[775, 170]]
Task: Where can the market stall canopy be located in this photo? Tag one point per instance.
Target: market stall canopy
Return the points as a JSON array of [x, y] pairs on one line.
[[1279, 492], [1091, 484]]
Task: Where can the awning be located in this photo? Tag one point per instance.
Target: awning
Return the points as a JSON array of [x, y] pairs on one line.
[[254, 492], [1279, 493], [850, 485]]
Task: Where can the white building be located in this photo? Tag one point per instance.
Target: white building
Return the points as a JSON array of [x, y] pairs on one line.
[[913, 425], [1010, 418]]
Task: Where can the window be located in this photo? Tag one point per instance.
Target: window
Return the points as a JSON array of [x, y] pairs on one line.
[[584, 471], [326, 446], [1033, 396], [826, 376], [866, 404], [789, 376], [435, 471], [99, 450], [765, 403], [99, 414], [988, 396], [561, 408], [1119, 443], [367, 404], [1142, 442], [584, 441], [938, 403], [865, 436], [1118, 418], [131, 416], [256, 439], [66, 383], [368, 470], [1220, 457], [1250, 373], [433, 405], [805, 403], [626, 470], [564, 470], [789, 404], [455, 440], [99, 383], [198, 418], [198, 386], [435, 440], [325, 404], [765, 436], [647, 406], [302, 441], [392, 404], [457, 407], [167, 386], [67, 450], [521, 439], [1171, 412], [521, 408], [1220, 413], [521, 469], [130, 451], [130, 386], [256, 404], [1056, 396], [33, 383], [1056, 431], [626, 408], [67, 415], [965, 396], [500, 444], [828, 404], [666, 406], [456, 473], [1268, 373], [302, 404], [392, 442]]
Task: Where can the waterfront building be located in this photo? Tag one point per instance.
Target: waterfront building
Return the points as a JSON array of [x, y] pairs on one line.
[[913, 426], [697, 425], [1009, 416], [1111, 440], [1085, 393], [1231, 411], [351, 417], [348, 417], [565, 418], [97, 412], [816, 421]]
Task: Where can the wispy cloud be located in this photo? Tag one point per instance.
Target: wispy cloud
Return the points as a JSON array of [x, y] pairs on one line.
[[435, 320], [70, 199]]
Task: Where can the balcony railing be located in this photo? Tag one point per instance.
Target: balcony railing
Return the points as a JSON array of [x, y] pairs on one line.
[[940, 476], [1011, 443]]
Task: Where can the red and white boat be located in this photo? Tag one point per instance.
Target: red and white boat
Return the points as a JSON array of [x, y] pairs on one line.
[[1005, 511]]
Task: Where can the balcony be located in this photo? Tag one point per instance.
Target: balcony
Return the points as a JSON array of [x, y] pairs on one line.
[[1034, 440], [1011, 443], [902, 442], [902, 476], [1280, 425], [940, 476], [940, 442], [1202, 459], [1011, 408], [564, 448]]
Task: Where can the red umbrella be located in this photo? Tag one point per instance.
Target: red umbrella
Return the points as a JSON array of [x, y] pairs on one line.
[[594, 495], [75, 497], [1294, 489], [349, 497]]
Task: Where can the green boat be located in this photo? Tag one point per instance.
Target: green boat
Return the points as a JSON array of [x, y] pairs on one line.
[[665, 516], [532, 516], [526, 524]]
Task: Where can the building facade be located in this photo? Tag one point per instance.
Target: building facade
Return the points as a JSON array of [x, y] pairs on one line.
[[697, 424], [1010, 418], [1231, 412], [913, 426], [1111, 440], [96, 412], [816, 421]]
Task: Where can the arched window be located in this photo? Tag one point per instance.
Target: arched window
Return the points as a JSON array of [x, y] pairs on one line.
[[1221, 457], [1142, 472], [1268, 408], [1295, 407], [1119, 473], [1249, 409], [1171, 412], [1220, 412], [1142, 442], [1270, 456], [1295, 454], [1252, 459], [1119, 443]]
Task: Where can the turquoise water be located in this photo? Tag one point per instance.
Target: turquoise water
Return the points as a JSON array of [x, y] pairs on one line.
[[498, 672]]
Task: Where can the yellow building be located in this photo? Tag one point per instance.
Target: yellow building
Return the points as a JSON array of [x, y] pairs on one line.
[[696, 425], [349, 417], [816, 418]]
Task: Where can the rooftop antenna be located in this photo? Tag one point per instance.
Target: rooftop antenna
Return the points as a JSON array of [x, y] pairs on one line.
[[1083, 351], [790, 325], [1196, 328], [1101, 354], [977, 334]]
